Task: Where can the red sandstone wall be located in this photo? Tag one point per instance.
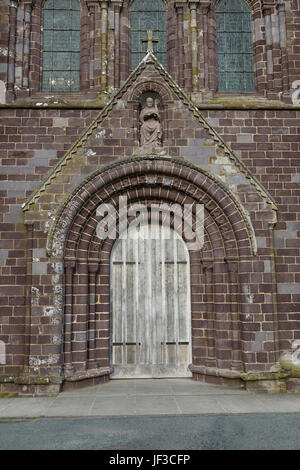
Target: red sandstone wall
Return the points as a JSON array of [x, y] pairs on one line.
[[32, 141]]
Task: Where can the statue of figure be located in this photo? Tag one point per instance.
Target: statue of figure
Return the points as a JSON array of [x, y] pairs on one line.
[[151, 132]]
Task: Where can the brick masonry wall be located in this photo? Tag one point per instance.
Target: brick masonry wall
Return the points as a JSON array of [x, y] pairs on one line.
[[271, 157], [32, 141], [268, 142]]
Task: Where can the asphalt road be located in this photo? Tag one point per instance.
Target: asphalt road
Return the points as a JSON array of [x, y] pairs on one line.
[[221, 432]]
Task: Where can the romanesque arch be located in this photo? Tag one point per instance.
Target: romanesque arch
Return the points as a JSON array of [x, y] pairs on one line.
[[218, 341]]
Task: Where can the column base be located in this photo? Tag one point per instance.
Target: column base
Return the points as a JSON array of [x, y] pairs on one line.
[[277, 381], [86, 378]]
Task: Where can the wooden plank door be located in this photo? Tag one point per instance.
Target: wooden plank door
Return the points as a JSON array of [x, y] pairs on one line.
[[151, 315]]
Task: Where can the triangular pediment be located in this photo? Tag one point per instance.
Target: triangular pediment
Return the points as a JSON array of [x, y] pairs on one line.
[[113, 136]]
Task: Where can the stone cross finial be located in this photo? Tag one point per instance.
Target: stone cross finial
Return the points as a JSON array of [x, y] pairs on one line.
[[150, 40]]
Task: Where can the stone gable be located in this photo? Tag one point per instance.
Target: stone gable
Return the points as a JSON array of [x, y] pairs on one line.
[[114, 135]]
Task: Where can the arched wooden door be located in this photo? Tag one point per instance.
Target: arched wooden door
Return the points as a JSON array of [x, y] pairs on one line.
[[151, 312]]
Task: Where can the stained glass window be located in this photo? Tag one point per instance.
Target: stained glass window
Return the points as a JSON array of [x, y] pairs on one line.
[[61, 46], [148, 15], [234, 46]]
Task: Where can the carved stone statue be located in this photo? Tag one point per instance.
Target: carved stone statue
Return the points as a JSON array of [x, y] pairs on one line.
[[151, 132]]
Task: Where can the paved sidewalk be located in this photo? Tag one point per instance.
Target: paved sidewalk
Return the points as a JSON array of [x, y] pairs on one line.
[[153, 397]]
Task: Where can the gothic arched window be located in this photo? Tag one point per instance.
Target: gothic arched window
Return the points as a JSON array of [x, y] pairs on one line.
[[147, 15], [61, 46], [234, 46]]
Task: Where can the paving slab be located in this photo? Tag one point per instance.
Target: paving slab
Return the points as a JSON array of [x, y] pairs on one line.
[[27, 407], [157, 405], [191, 387], [4, 403], [288, 403], [104, 406], [157, 387], [70, 406], [199, 405], [155, 397], [240, 404], [111, 388]]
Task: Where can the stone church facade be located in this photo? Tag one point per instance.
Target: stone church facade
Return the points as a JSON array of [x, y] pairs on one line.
[[222, 81]]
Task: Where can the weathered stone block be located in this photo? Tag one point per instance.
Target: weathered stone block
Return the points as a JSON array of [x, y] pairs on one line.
[[266, 386], [293, 385]]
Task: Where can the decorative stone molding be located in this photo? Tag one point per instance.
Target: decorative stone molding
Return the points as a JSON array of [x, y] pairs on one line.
[[151, 60], [106, 182]]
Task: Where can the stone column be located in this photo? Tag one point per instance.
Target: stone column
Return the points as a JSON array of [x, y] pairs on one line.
[[93, 268], [92, 5], [19, 48], [210, 360], [269, 43], [12, 49], [117, 11], [222, 325], [35, 71], [68, 362], [204, 11], [180, 54], [26, 50], [104, 55], [194, 43], [236, 360], [282, 42], [29, 227], [212, 62], [276, 327]]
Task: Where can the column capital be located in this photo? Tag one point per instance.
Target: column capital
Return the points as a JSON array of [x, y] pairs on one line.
[[104, 4], [14, 4], [180, 5], [193, 4], [280, 6], [92, 4], [205, 4], [30, 3], [93, 266], [29, 223], [232, 266], [117, 3], [267, 6], [70, 263], [207, 265], [266, 9]]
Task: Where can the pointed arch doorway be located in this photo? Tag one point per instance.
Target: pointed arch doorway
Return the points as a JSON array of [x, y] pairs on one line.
[[151, 308]]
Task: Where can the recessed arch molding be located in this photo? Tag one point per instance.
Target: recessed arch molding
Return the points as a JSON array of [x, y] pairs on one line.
[[222, 307]]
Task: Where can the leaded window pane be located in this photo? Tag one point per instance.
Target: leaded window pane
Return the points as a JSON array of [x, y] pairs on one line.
[[146, 5], [147, 15], [61, 46], [234, 46]]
